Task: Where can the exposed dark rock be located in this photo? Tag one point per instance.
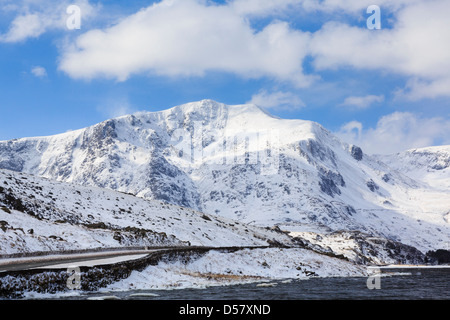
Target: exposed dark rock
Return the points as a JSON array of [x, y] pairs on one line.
[[320, 152], [204, 216], [372, 248], [170, 184], [14, 163], [439, 256], [372, 185], [329, 182], [5, 209], [356, 153], [350, 210], [4, 225]]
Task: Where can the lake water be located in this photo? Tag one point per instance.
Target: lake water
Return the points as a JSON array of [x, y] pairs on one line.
[[407, 284]]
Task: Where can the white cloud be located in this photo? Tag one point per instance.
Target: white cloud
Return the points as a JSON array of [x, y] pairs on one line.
[[39, 71], [262, 7], [192, 37], [417, 89], [116, 107], [397, 132], [35, 17], [417, 47], [354, 6], [188, 38], [362, 102], [277, 100], [23, 27]]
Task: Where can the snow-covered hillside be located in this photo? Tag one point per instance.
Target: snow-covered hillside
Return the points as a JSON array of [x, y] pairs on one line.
[[241, 163], [430, 165], [37, 214], [266, 266]]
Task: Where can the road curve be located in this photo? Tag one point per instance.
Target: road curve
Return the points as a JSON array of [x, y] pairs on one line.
[[62, 260]]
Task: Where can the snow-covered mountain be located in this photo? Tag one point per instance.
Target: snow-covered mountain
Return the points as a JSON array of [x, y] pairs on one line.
[[241, 163], [430, 165]]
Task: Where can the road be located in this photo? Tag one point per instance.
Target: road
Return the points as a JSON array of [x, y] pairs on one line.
[[60, 261], [89, 258]]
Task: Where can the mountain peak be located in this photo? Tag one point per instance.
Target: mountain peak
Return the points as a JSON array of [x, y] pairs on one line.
[[208, 105]]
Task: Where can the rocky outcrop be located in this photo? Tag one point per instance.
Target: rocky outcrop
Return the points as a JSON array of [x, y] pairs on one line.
[[356, 153], [363, 248], [440, 256]]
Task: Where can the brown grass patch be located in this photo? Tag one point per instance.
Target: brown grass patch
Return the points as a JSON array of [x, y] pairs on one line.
[[220, 276]]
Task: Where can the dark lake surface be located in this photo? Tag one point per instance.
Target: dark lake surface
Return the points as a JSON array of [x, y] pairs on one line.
[[404, 284]]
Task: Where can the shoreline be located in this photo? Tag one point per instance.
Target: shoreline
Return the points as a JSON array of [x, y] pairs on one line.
[[410, 266]]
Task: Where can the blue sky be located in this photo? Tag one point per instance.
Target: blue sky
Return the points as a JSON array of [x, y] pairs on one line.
[[386, 90]]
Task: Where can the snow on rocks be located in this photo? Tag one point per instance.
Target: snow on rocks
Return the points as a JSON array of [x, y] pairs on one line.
[[243, 266]]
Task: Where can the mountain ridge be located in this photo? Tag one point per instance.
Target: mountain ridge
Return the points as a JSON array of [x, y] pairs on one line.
[[241, 163]]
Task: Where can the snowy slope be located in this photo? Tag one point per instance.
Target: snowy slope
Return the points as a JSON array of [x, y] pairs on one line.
[[37, 214], [241, 163], [430, 165], [267, 267]]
